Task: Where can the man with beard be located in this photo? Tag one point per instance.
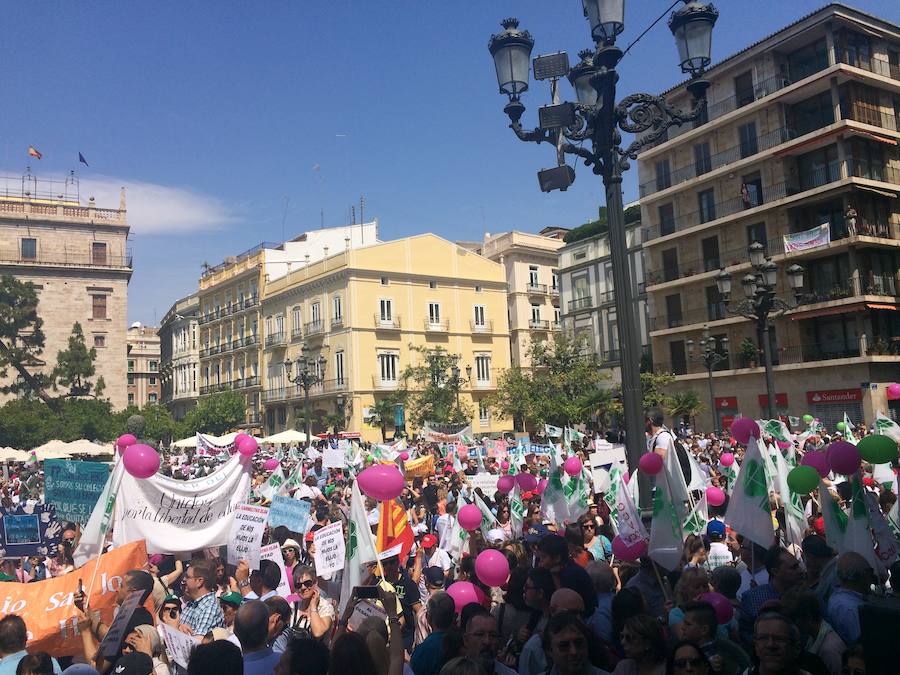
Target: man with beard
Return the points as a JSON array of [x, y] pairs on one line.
[[568, 639], [481, 642]]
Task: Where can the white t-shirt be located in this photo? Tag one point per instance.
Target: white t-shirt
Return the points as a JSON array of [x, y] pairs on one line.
[[440, 558], [662, 439], [719, 555]]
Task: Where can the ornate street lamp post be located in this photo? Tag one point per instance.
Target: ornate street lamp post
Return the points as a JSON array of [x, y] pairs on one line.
[[760, 303], [710, 356], [308, 375], [598, 119], [456, 381]]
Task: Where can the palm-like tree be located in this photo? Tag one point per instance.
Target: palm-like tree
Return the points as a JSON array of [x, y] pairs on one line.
[[381, 413], [685, 404]]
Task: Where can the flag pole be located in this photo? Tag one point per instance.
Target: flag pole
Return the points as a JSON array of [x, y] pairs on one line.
[[110, 506]]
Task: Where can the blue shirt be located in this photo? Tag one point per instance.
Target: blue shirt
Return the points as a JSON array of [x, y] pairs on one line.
[[261, 663], [9, 664], [601, 619], [428, 657], [204, 614], [751, 602], [843, 614]]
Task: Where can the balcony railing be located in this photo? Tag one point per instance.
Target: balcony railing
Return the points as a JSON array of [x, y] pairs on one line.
[[378, 383], [276, 339], [537, 289], [387, 323], [873, 65], [337, 322], [871, 285], [437, 326], [580, 303], [227, 310], [314, 328], [483, 327], [538, 324], [554, 291], [296, 334], [556, 325], [246, 382], [64, 258]]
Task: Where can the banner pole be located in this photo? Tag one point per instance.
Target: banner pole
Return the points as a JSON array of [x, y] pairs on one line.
[[111, 505]]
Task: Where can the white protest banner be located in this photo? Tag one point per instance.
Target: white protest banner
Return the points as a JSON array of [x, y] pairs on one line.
[[175, 516], [330, 549], [604, 458], [246, 534], [364, 610], [292, 513], [210, 445], [486, 481], [273, 552], [178, 644], [333, 458]]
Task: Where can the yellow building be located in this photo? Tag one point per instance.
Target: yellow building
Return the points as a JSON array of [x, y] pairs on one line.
[[361, 309]]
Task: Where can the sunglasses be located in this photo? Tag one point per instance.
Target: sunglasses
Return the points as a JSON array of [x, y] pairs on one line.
[[309, 583], [684, 663]]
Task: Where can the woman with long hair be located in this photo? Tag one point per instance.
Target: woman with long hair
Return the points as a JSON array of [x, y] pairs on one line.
[[644, 643], [312, 613]]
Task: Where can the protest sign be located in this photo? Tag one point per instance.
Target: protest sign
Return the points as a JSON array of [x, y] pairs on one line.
[[419, 467], [211, 446], [333, 458], [363, 610], [445, 433], [178, 644], [246, 534], [112, 641], [292, 513], [47, 605], [330, 549], [495, 448], [73, 487], [486, 481], [175, 516], [28, 529], [273, 552]]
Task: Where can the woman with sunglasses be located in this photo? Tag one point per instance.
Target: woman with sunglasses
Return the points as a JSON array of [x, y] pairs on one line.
[[686, 658], [312, 613], [503, 515], [596, 544]]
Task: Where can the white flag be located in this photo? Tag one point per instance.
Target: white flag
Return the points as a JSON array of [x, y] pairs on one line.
[[748, 509], [885, 426], [94, 532], [360, 547], [699, 480], [794, 520], [628, 519], [666, 534]]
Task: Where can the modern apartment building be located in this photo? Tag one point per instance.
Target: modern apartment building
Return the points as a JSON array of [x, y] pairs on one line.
[[798, 151], [361, 309], [230, 318], [179, 344], [77, 256], [144, 385], [532, 278], [588, 297]]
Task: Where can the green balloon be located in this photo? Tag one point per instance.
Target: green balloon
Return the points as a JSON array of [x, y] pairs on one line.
[[803, 479], [841, 426], [877, 449], [808, 418]]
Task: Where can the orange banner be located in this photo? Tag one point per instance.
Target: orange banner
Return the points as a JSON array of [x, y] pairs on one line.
[[419, 467], [46, 606]]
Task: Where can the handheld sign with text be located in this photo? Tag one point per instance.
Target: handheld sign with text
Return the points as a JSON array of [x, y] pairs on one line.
[[273, 552], [30, 529], [178, 644], [292, 513], [112, 641], [333, 458], [330, 549], [246, 534], [74, 487]]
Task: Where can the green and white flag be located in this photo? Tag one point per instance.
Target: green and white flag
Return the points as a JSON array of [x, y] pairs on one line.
[[731, 474], [577, 493], [677, 484], [488, 520], [697, 519], [776, 429], [794, 518], [793, 421], [633, 486], [516, 512], [835, 519], [748, 510], [699, 480], [93, 535], [360, 547], [611, 495], [554, 505], [859, 534], [666, 534], [885, 426], [848, 430], [273, 485], [576, 436], [552, 431], [629, 526], [458, 538], [887, 547], [893, 518]]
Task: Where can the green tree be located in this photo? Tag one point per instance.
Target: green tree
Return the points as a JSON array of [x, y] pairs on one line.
[[86, 418], [381, 413], [653, 389], [23, 423], [215, 414], [22, 339], [514, 397], [75, 367], [685, 404], [158, 423], [433, 395]]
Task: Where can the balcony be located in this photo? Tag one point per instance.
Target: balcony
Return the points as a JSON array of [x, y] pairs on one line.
[[314, 328], [871, 285], [484, 327], [64, 259], [246, 341], [580, 304], [482, 384], [554, 291], [337, 322], [253, 420], [538, 324], [276, 394], [437, 326], [387, 323], [536, 289], [296, 334], [246, 382], [276, 339], [383, 385], [556, 325], [872, 64]]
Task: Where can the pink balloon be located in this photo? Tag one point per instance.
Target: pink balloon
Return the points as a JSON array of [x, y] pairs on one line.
[[526, 482], [247, 446], [628, 553], [723, 607], [504, 465], [893, 391], [727, 459], [469, 517], [743, 428], [843, 457], [270, 464], [541, 486], [382, 482], [241, 436], [463, 593], [817, 460], [506, 483], [140, 460], [481, 598], [572, 466], [651, 463], [492, 567], [404, 456], [124, 441], [714, 496]]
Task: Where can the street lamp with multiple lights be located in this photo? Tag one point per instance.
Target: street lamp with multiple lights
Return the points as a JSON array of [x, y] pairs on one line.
[[761, 302], [456, 381], [712, 353], [598, 119], [310, 372]]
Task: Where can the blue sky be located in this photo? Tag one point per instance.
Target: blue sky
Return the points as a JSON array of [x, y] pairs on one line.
[[229, 121]]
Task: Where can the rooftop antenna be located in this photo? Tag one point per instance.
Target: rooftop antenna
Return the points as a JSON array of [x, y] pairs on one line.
[[353, 214], [362, 206], [322, 218], [287, 200]]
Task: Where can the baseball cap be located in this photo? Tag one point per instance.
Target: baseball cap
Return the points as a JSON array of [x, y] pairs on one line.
[[434, 576], [234, 599], [715, 528], [496, 536], [536, 532], [819, 526], [428, 541], [135, 663], [310, 536], [80, 669]]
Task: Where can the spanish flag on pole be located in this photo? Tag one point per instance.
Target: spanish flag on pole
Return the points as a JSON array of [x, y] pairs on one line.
[[394, 529], [33, 152]]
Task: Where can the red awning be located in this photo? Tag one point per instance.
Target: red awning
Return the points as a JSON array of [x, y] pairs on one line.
[[828, 311], [875, 137], [880, 305]]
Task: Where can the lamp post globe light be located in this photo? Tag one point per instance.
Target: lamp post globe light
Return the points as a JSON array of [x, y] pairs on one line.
[[310, 372], [597, 118], [712, 353], [761, 302]]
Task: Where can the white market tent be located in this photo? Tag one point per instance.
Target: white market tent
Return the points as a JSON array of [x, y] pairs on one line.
[[88, 448], [286, 437], [227, 439], [13, 455], [51, 453]]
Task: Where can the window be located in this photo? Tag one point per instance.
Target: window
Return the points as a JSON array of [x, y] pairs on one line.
[[710, 248], [387, 311], [29, 249], [532, 275], [268, 326], [339, 367], [130, 399], [98, 306], [387, 367], [807, 60], [130, 378], [666, 219], [702, 159], [151, 397], [679, 361], [753, 195], [98, 252], [130, 365], [743, 89], [747, 139], [674, 316], [152, 382], [282, 416], [483, 368], [279, 324], [296, 320], [715, 308], [554, 280], [315, 312], [757, 232], [670, 264], [434, 313], [432, 284], [535, 313], [721, 344], [479, 315], [384, 281], [484, 414], [478, 289], [706, 201], [556, 316], [663, 175], [337, 308], [810, 114], [153, 366], [99, 340]]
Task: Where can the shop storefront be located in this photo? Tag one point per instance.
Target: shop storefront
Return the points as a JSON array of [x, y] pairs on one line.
[[831, 404], [726, 410], [781, 405]]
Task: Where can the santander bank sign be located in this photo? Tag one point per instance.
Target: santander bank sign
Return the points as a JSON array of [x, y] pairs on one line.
[[834, 396]]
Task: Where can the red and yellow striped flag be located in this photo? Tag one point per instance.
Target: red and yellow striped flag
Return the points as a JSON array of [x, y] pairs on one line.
[[394, 529], [33, 152]]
